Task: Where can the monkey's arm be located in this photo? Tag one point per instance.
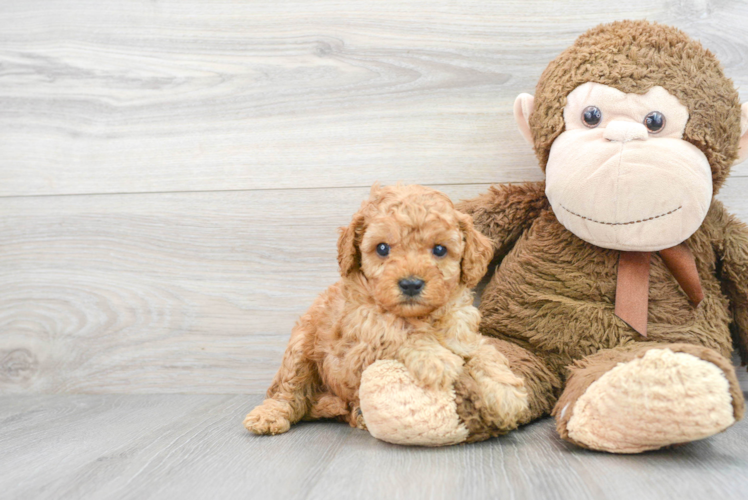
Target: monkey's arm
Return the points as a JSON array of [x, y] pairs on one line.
[[505, 212], [734, 255]]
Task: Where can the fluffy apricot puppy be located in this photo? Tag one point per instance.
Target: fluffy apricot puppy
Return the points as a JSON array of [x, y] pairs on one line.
[[404, 304]]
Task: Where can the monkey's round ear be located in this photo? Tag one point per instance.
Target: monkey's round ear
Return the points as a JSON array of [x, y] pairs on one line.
[[522, 109], [743, 144], [477, 254], [349, 255]]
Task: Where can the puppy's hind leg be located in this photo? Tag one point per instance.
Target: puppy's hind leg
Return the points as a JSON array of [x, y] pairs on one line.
[[290, 396]]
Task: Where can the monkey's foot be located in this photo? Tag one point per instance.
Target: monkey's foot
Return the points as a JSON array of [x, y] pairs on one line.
[[659, 399], [399, 411]]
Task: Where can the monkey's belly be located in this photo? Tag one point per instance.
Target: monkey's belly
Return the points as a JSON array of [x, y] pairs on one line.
[[555, 295]]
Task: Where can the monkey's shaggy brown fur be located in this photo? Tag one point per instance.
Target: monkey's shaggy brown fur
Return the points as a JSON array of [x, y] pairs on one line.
[[552, 297]]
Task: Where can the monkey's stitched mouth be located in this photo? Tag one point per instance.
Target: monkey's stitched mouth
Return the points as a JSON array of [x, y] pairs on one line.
[[623, 223]]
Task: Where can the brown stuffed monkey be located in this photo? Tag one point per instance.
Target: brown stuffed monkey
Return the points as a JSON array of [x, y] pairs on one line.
[[623, 283]]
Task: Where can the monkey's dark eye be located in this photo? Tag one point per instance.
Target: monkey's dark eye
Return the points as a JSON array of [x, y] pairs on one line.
[[591, 116], [439, 250], [655, 122], [383, 249]]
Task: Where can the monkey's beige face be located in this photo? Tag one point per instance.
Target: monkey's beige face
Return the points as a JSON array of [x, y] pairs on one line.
[[411, 257], [621, 176]]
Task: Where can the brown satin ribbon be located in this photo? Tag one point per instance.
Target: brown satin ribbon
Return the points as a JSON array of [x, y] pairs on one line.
[[679, 260], [632, 287]]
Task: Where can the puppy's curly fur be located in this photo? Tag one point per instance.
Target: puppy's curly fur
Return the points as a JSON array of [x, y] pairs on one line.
[[367, 317]]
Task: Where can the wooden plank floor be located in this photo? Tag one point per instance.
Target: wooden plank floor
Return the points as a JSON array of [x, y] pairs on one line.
[[193, 446]]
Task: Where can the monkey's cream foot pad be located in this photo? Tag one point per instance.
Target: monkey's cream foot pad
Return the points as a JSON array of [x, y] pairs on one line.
[[661, 399], [399, 411]]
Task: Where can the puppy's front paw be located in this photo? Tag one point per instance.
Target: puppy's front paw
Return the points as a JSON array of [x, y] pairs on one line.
[[435, 370], [265, 419]]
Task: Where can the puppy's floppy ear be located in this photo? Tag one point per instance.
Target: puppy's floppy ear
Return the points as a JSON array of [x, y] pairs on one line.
[[349, 255], [477, 254]]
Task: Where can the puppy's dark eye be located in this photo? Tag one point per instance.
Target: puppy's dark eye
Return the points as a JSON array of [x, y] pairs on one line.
[[383, 249], [591, 116], [439, 250], [655, 122]]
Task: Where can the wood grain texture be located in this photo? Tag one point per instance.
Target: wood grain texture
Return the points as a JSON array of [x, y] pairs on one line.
[[172, 174], [177, 446], [180, 292], [188, 292], [188, 95]]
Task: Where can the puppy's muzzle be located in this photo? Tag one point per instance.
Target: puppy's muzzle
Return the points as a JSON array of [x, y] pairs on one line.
[[411, 286]]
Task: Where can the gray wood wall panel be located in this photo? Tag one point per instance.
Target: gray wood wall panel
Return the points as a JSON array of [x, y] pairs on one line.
[[187, 292], [192, 292], [141, 96], [172, 174]]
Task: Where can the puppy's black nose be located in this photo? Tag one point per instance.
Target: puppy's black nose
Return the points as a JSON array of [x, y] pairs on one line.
[[411, 286]]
